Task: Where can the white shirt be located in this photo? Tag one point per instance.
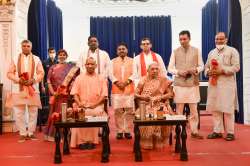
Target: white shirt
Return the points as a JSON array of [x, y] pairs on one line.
[[104, 61], [148, 60]]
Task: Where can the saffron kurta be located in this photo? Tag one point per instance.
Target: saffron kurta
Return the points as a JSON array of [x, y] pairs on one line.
[[122, 70], [89, 88], [16, 98]]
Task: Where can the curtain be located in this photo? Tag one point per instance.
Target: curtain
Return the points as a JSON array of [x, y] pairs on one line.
[[37, 28], [235, 40], [209, 27], [158, 29], [223, 16], [112, 30], [55, 25]]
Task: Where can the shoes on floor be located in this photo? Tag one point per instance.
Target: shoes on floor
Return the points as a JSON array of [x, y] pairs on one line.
[[119, 135], [22, 138], [230, 137], [214, 135], [128, 135], [196, 136]]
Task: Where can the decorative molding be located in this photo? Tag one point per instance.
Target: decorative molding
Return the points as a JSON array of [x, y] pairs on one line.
[[7, 2], [7, 13]]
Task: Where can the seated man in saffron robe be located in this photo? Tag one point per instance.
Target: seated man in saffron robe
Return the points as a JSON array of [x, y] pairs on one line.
[[89, 90]]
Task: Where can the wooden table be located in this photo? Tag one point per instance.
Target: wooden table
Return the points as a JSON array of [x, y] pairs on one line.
[[180, 145], [67, 125]]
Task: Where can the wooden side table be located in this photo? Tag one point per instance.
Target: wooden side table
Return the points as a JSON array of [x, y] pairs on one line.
[[181, 136]]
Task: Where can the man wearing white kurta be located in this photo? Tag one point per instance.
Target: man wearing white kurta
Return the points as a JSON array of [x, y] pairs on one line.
[[101, 57], [30, 65], [144, 59], [222, 95], [186, 64]]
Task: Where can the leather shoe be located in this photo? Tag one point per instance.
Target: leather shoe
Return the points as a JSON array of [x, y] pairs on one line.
[[214, 135], [119, 135]]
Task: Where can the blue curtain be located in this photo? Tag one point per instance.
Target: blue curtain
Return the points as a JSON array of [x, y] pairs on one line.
[[223, 16], [235, 40], [112, 30], [55, 25], [158, 29], [37, 28], [209, 28]]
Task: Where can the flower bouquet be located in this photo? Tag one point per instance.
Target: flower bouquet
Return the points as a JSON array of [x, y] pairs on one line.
[[27, 90], [213, 78]]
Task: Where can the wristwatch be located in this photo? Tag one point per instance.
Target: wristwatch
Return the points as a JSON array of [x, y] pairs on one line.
[[128, 81]]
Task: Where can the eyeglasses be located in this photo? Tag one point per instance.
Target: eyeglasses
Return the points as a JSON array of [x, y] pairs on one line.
[[145, 44]]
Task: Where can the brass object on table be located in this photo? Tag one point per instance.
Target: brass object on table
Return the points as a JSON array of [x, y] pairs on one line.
[[81, 114]]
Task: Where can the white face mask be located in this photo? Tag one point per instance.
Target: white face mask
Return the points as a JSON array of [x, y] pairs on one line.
[[220, 47], [52, 55]]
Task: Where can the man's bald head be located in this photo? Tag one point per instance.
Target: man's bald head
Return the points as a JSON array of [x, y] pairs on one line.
[[90, 65]]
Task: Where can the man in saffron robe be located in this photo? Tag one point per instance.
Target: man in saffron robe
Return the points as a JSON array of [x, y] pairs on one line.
[[145, 58], [26, 71], [89, 90]]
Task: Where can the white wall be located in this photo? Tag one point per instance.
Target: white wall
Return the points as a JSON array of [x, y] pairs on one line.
[[186, 14], [245, 7]]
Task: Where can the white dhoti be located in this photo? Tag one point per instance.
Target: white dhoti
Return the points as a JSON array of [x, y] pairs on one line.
[[191, 96], [20, 119], [84, 135]]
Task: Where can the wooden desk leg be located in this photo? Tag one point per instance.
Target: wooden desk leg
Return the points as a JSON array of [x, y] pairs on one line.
[[137, 146], [108, 131], [105, 142], [65, 142], [184, 154], [58, 157], [170, 137], [178, 142]]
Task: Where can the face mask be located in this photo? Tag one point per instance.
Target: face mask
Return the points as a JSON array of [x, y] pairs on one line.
[[220, 47], [52, 55]]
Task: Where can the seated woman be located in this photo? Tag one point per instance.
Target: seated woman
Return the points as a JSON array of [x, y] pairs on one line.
[[60, 78], [155, 90]]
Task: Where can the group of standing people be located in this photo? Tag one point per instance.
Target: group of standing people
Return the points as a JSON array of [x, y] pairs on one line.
[[142, 78]]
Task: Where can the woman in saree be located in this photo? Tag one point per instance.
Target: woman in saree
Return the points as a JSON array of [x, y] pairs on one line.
[[60, 78], [155, 90]]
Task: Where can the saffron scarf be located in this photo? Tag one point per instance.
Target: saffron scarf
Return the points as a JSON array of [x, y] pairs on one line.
[[143, 64]]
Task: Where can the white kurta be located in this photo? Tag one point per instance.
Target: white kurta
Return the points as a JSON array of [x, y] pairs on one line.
[[104, 61], [185, 94], [223, 96], [148, 60]]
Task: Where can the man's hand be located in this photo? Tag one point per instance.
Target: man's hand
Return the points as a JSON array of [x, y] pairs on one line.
[[193, 71], [43, 89], [30, 82], [120, 85], [216, 72], [22, 81], [182, 73]]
